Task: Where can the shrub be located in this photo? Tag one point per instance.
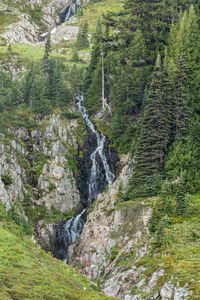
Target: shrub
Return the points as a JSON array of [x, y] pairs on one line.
[[114, 252], [52, 187], [7, 179]]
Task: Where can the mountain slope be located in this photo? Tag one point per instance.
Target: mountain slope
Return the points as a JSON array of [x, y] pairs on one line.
[[27, 272]]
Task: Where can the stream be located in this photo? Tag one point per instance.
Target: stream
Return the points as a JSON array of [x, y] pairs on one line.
[[71, 230]]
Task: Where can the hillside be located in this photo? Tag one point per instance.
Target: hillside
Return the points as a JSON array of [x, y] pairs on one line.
[[99, 149], [27, 272]]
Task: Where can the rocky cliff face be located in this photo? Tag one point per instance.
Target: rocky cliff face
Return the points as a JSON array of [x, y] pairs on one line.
[[28, 21], [35, 162], [113, 245]]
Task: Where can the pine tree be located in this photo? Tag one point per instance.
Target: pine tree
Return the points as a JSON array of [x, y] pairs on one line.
[[181, 110], [154, 133], [82, 37], [99, 30], [184, 157], [47, 54], [9, 50], [85, 35], [95, 56], [184, 40], [181, 198], [155, 129], [160, 233], [75, 57]]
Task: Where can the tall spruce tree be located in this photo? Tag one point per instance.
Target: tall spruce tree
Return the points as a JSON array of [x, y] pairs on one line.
[[181, 110], [154, 131], [47, 54], [184, 39], [82, 38], [181, 204]]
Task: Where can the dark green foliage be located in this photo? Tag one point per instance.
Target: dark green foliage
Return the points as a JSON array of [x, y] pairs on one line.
[[144, 186], [114, 252], [9, 48], [162, 207], [184, 157], [52, 187], [153, 137], [47, 54], [82, 38], [160, 233], [19, 219], [181, 199], [181, 111], [95, 58], [7, 179], [75, 57]]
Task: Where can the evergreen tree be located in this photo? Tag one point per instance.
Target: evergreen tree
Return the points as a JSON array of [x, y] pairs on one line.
[[75, 57], [9, 50], [85, 35], [160, 233], [181, 111], [82, 37], [154, 131], [99, 30], [95, 56], [47, 55], [184, 40], [181, 198], [184, 157]]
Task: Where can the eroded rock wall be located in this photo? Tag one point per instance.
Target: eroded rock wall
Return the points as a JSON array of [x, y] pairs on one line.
[[114, 242], [36, 161]]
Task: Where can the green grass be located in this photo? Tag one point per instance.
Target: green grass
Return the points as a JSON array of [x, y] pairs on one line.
[[24, 54], [92, 11], [180, 254], [29, 273]]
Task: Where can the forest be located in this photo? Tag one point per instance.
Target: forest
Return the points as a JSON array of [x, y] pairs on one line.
[[151, 62]]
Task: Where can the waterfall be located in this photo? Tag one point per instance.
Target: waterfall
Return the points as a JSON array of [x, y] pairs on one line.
[[94, 172], [69, 13], [72, 229]]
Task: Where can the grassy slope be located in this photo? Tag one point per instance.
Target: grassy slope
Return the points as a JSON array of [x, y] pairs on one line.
[[180, 254], [29, 273], [24, 54]]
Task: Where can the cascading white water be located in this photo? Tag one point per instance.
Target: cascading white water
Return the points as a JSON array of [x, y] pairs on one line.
[[94, 173], [73, 227], [69, 13]]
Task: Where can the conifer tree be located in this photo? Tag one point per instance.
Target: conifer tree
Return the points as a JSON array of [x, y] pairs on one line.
[[95, 56], [181, 111], [47, 54], [184, 39], [75, 57], [181, 198], [160, 233], [154, 132], [99, 30], [155, 129], [9, 50], [82, 37]]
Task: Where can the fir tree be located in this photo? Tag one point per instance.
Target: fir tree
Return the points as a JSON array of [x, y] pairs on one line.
[[181, 111], [160, 233], [95, 56], [154, 130], [9, 50], [181, 198], [82, 37], [47, 54], [99, 30]]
